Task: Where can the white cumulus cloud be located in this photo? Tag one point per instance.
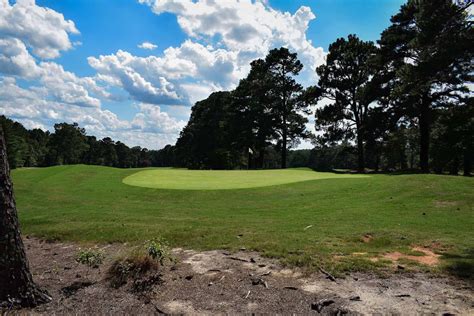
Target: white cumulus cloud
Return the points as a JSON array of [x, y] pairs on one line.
[[43, 30], [147, 45]]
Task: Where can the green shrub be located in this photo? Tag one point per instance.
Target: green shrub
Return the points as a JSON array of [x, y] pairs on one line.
[[159, 250], [90, 257]]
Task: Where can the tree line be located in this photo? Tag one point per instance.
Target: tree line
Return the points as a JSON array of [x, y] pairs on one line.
[[247, 126], [69, 144]]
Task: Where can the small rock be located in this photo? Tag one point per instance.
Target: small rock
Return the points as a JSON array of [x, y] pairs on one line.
[[355, 298], [189, 277], [252, 260], [400, 267], [321, 304], [257, 281], [210, 284]]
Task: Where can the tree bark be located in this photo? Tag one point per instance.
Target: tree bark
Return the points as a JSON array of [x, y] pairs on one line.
[[454, 168], [424, 135], [360, 153], [467, 163], [16, 283], [283, 145], [261, 157]]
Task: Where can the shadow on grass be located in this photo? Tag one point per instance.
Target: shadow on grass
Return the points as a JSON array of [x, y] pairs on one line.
[[386, 172], [461, 265]]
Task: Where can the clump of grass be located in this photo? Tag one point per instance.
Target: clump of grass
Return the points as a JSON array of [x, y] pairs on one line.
[[90, 257], [140, 265]]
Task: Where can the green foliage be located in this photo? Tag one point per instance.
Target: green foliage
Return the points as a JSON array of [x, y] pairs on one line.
[[90, 257], [207, 141], [69, 144], [159, 250], [265, 109], [426, 63], [344, 80], [299, 158]]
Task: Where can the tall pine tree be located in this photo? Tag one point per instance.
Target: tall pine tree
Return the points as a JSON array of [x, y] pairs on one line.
[[426, 62]]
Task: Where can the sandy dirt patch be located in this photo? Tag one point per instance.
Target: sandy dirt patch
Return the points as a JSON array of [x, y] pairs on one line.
[[429, 258], [213, 282]]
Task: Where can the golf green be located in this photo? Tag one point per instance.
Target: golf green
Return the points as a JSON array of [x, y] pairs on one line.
[[183, 179]]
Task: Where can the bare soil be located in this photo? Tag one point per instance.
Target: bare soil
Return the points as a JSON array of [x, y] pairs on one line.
[[220, 282], [429, 258]]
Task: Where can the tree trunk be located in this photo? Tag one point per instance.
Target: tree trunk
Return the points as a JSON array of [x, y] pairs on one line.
[[16, 283], [249, 160], [467, 164], [283, 146], [261, 157], [360, 152], [424, 135], [454, 168], [377, 162]]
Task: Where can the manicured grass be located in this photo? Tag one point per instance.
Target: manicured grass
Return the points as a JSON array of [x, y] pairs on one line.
[[183, 179], [91, 203]]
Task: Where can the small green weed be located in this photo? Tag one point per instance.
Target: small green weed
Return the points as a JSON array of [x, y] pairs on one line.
[[90, 257], [159, 250]]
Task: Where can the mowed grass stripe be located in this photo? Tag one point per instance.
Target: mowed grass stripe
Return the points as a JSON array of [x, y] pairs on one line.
[[92, 204], [183, 179]]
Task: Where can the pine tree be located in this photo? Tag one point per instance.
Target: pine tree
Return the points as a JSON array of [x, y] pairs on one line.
[[16, 283]]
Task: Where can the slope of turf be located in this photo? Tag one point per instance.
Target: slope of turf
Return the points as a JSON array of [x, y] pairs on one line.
[[304, 223], [183, 179]]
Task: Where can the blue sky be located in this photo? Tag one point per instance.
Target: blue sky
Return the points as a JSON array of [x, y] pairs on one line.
[[143, 96]]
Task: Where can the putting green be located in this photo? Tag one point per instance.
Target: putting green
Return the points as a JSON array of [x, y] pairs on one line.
[[183, 179]]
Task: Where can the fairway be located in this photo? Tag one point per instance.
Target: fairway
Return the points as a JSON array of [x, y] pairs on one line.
[[183, 179], [307, 223]]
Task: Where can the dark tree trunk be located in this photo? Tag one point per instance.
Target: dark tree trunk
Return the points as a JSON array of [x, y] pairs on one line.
[[249, 162], [283, 148], [454, 168], [360, 152], [261, 157], [377, 162], [467, 163], [424, 136], [16, 283]]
